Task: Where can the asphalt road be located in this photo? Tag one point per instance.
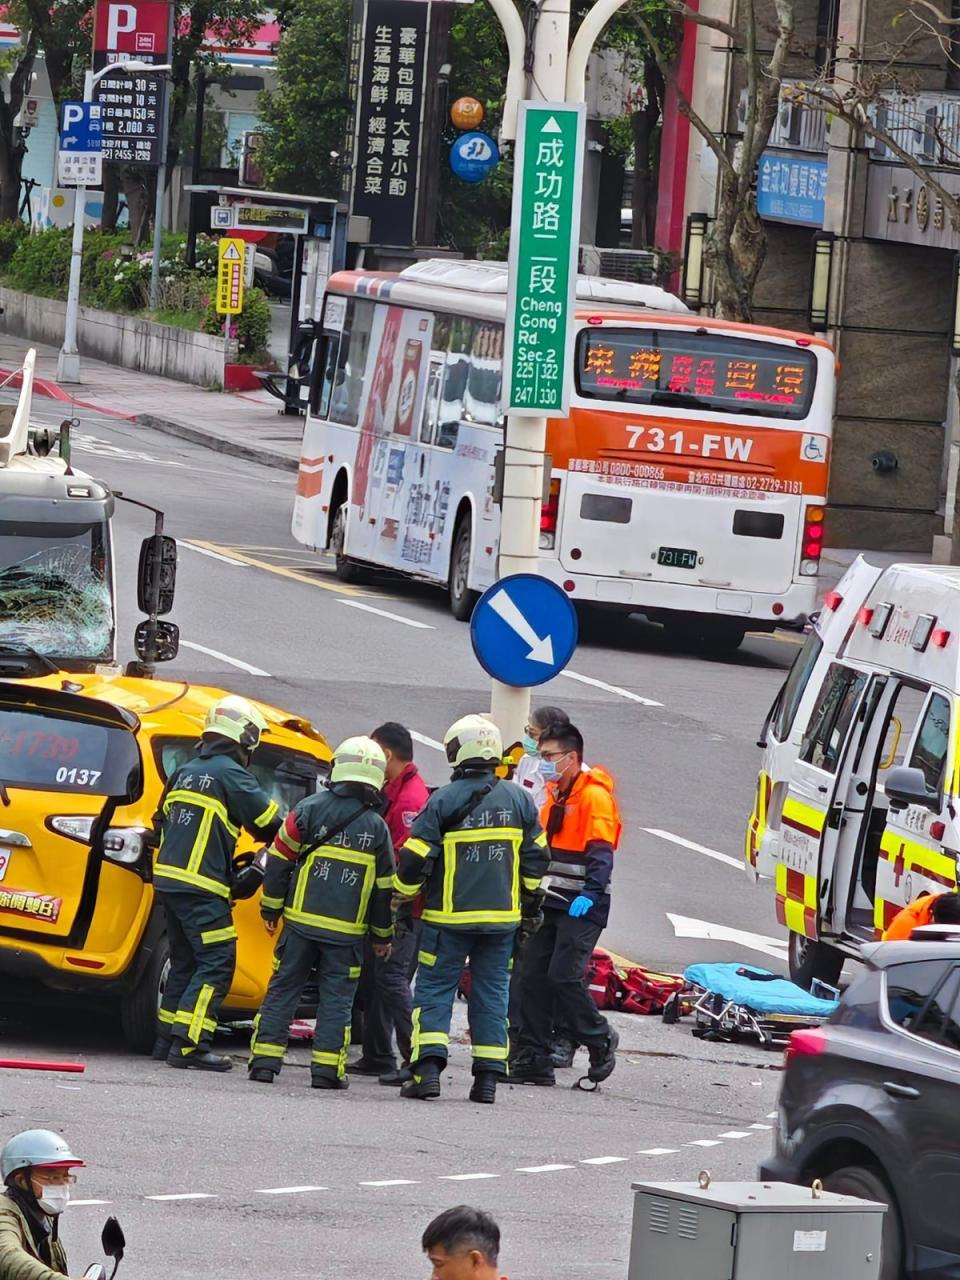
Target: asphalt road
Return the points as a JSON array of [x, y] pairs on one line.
[[260, 615]]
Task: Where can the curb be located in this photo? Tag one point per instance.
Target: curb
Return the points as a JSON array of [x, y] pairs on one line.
[[220, 444]]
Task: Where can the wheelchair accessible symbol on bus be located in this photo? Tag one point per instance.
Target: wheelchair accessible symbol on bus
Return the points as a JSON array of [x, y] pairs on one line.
[[524, 630], [813, 449]]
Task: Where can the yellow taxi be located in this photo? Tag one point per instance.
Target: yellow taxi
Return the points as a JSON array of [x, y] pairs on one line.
[[83, 763]]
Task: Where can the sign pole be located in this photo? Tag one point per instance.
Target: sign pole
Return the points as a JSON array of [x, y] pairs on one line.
[[68, 362], [154, 297]]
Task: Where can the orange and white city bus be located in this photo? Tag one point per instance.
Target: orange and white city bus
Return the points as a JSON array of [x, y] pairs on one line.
[[687, 482]]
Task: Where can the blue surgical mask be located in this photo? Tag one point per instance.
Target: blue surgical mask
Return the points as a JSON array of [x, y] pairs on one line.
[[549, 771], [530, 745]]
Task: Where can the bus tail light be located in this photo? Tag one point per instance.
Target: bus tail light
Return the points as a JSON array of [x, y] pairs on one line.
[[548, 517], [812, 544]]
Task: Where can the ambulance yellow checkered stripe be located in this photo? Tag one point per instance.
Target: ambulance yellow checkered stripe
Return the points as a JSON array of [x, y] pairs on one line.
[[796, 892], [910, 857]]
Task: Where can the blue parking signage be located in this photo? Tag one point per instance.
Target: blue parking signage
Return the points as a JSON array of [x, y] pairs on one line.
[[80, 127], [524, 630]]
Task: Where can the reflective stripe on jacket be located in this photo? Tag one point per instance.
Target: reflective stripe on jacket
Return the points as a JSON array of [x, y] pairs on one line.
[[205, 804], [337, 891], [584, 831], [472, 874], [19, 1259]]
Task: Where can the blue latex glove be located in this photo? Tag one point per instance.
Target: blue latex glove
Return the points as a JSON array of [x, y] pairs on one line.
[[580, 906]]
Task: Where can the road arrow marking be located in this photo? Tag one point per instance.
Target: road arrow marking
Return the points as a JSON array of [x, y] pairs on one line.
[[505, 607], [687, 927]]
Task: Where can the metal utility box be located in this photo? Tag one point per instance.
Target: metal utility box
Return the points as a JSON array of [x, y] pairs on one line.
[[751, 1231]]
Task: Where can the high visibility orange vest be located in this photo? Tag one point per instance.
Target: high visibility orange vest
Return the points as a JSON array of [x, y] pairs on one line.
[[912, 917]]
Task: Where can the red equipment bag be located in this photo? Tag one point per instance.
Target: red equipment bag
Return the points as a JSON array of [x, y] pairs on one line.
[[602, 980], [644, 991]]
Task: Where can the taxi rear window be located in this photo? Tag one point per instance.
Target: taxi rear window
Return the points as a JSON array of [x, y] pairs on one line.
[[40, 751]]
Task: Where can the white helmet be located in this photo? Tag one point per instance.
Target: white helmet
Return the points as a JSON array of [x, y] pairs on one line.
[[36, 1149], [359, 759], [237, 719], [473, 738]]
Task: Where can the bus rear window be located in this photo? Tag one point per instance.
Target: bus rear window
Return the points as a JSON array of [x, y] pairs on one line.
[[695, 370]]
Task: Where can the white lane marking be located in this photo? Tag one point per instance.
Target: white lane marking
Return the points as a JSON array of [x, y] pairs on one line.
[[658, 1151], [761, 1126], [185, 1195], [70, 1087], [544, 1168], [393, 1182], [466, 1177], [610, 688], [425, 741], [214, 555], [286, 1191], [605, 1160], [704, 1142], [734, 1133], [696, 848], [687, 927], [79, 1204], [771, 1115], [385, 613], [225, 657]]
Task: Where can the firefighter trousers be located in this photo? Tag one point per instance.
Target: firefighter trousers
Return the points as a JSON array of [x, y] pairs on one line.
[[203, 955], [443, 954], [338, 969]]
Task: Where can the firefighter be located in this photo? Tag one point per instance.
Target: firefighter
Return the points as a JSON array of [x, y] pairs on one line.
[[330, 875], [478, 852], [205, 803], [583, 829]]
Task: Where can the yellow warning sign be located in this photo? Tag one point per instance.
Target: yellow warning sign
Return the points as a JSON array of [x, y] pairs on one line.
[[230, 276]]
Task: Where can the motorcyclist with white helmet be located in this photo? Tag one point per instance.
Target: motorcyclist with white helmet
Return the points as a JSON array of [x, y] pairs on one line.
[[37, 1170], [205, 803]]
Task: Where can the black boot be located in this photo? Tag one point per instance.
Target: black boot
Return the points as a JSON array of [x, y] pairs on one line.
[[426, 1080], [161, 1048], [328, 1082], [484, 1087], [603, 1057], [530, 1070], [562, 1052], [198, 1060], [260, 1075]]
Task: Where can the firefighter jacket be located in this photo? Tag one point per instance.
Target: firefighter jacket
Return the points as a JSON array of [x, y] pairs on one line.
[[27, 1249], [334, 890], [473, 859], [913, 917], [204, 805], [583, 829]]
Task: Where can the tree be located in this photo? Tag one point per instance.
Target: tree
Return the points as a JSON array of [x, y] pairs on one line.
[[736, 242]]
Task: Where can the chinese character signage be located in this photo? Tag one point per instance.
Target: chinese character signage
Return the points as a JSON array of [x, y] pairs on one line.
[[230, 275], [132, 104], [389, 108], [130, 29], [791, 188], [544, 238]]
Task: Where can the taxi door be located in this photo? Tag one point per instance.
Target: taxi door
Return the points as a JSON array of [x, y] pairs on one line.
[[821, 801], [782, 732]]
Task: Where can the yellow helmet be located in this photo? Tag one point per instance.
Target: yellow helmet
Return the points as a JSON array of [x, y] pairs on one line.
[[237, 719], [473, 737], [359, 760]]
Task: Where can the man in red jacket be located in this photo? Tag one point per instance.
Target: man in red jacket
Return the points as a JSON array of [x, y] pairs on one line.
[[385, 984]]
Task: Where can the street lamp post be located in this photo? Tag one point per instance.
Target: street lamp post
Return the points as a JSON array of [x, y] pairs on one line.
[[68, 364]]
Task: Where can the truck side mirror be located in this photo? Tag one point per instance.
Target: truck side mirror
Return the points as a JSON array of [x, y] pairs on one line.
[[157, 574], [904, 786], [156, 641]]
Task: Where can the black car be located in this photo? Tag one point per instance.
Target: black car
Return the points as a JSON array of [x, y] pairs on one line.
[[870, 1103]]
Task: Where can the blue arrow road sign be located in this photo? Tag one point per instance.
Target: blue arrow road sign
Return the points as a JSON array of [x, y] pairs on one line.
[[524, 630], [80, 127]]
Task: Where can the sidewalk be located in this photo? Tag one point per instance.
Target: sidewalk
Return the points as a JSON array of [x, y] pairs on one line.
[[247, 425]]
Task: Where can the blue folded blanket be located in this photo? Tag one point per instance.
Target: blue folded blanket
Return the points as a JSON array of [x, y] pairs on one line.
[[769, 995]]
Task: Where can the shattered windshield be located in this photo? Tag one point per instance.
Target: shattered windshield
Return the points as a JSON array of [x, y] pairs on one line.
[[56, 589]]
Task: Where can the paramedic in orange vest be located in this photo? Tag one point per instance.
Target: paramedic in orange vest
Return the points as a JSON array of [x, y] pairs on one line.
[[583, 827], [929, 908]]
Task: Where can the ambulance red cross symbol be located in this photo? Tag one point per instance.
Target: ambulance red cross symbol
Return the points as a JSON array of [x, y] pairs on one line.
[[899, 865]]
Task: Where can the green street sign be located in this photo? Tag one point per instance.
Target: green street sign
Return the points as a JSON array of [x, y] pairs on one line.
[[544, 243]]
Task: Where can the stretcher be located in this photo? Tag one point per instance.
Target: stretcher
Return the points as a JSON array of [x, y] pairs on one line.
[[735, 1001]]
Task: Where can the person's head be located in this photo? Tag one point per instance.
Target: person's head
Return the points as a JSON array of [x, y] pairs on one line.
[[946, 909], [462, 1244], [561, 753], [473, 743], [39, 1163], [396, 744], [541, 718], [234, 723], [359, 761]]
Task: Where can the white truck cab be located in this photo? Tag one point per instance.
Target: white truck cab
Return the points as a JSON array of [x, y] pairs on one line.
[[856, 806]]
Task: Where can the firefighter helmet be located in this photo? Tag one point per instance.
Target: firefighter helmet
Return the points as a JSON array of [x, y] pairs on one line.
[[36, 1149], [473, 738], [359, 760], [237, 719]]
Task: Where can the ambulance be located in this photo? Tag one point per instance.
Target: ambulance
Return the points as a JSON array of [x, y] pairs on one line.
[[857, 808]]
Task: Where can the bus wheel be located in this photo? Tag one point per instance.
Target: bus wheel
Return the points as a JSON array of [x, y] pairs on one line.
[[462, 599], [138, 1008], [810, 961], [346, 570], [722, 634]]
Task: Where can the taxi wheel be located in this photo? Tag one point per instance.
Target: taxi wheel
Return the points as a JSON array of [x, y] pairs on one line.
[[810, 961], [138, 1008]]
